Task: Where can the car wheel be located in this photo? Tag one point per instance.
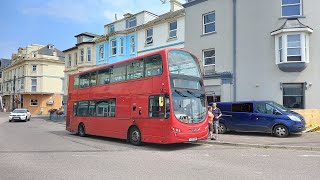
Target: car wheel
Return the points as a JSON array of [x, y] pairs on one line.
[[222, 128], [81, 130], [26, 119], [10, 120], [135, 136], [280, 131]]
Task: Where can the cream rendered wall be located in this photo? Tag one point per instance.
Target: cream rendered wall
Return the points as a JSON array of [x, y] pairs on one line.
[[258, 75], [161, 37], [53, 85], [81, 66]]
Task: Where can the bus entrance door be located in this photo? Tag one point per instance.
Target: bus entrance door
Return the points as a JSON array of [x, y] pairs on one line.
[[146, 116]]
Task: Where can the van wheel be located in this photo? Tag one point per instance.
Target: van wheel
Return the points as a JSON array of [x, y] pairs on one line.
[[81, 130], [280, 131], [222, 128], [135, 136]]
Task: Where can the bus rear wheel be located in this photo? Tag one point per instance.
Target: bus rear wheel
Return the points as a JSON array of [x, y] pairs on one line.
[[81, 130], [135, 136]]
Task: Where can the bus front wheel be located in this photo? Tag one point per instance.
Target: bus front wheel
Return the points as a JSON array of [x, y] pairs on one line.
[[81, 130], [135, 136]]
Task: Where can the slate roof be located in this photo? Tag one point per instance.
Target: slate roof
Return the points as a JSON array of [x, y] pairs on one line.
[[292, 23], [46, 51], [87, 34], [4, 62]]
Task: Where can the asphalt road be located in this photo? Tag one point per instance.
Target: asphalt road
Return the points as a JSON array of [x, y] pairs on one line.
[[44, 150]]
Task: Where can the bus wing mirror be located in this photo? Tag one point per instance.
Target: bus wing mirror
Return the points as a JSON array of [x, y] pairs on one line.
[[161, 101]]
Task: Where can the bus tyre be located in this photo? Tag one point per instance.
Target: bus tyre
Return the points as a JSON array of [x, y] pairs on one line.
[[81, 130], [280, 131], [135, 136], [222, 128]]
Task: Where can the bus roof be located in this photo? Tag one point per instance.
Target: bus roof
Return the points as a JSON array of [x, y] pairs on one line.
[[165, 50]]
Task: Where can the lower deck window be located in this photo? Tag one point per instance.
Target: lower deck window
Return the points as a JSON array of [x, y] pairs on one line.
[[101, 108]]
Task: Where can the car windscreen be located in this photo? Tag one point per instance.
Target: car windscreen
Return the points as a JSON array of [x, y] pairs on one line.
[[19, 111]]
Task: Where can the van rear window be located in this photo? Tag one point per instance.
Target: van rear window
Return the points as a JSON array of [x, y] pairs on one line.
[[243, 107]]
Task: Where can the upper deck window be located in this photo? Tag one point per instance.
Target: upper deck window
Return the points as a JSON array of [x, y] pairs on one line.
[[183, 63]]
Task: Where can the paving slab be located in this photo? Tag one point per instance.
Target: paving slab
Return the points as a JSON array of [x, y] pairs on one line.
[[302, 141]]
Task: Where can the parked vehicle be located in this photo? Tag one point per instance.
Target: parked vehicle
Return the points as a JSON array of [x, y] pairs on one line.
[[20, 115], [259, 116], [156, 98]]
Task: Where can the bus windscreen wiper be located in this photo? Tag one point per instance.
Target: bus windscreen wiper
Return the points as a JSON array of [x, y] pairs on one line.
[[193, 94], [180, 93]]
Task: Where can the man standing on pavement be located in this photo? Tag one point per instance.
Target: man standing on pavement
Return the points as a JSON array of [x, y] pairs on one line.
[[217, 114]]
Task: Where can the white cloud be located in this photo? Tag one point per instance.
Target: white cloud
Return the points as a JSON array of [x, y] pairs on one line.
[[85, 11]]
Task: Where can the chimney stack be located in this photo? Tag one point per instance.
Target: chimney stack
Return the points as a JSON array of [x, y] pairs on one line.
[[175, 5]]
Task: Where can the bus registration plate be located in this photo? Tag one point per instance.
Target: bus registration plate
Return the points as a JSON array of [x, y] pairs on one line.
[[192, 139]]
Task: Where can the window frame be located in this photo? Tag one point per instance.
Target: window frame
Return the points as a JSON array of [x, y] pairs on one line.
[[172, 30], [36, 100], [121, 46], [82, 55], [69, 60], [101, 52], [295, 4], [149, 42], [113, 48], [206, 24], [132, 45], [130, 20], [281, 53], [88, 54], [303, 95], [204, 58], [34, 86], [111, 28], [76, 58], [34, 68]]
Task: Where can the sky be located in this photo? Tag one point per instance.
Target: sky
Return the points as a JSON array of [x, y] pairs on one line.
[[25, 22]]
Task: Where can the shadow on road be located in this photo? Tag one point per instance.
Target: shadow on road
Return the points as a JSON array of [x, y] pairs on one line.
[[257, 134], [115, 141]]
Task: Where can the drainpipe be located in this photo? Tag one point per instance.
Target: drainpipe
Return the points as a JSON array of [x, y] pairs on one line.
[[234, 50]]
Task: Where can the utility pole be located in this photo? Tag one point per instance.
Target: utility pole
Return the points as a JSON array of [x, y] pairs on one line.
[[14, 91]]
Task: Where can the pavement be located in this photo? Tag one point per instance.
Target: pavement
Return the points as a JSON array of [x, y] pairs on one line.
[[302, 141]]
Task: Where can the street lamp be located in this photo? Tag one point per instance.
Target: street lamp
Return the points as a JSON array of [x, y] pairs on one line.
[[14, 91]]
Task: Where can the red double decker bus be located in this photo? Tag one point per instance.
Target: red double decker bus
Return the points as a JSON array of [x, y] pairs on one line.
[[156, 98]]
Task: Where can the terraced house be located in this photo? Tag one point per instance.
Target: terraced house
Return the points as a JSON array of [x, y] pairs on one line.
[[34, 79], [79, 57], [257, 50], [119, 41]]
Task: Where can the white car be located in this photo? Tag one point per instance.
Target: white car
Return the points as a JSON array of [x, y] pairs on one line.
[[20, 115]]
